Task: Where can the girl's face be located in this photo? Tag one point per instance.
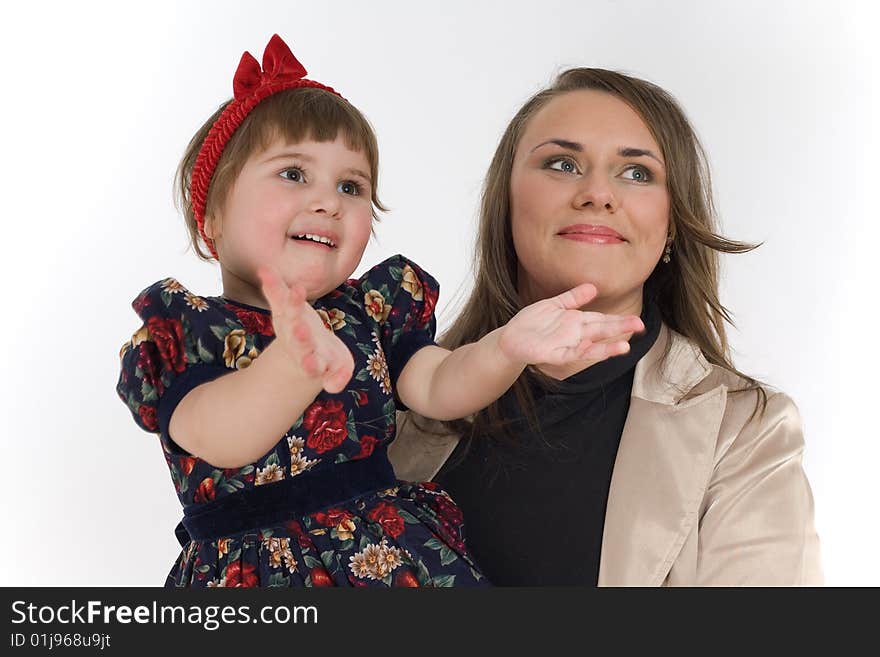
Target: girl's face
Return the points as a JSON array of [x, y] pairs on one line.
[[588, 201], [304, 209]]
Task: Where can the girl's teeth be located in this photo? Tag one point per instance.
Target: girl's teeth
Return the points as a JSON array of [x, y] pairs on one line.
[[316, 238]]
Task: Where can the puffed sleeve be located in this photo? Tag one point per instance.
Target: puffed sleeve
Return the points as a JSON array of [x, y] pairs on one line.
[[161, 363], [759, 490], [400, 296]]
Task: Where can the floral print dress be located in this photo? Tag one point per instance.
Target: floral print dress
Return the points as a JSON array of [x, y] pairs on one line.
[[403, 534]]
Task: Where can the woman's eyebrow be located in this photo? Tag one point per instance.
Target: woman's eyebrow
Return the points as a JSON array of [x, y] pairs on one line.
[[628, 151], [623, 151], [570, 145]]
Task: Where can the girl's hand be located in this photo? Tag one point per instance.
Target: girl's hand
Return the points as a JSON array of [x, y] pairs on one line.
[[553, 331], [303, 335]]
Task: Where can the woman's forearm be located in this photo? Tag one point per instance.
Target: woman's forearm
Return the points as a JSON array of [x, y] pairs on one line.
[[235, 419]]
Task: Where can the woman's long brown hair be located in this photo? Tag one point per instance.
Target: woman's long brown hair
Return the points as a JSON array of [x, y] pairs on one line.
[[685, 290]]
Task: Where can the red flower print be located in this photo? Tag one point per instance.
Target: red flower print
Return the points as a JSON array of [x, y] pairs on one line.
[[187, 463], [141, 302], [430, 294], [148, 417], [320, 577], [239, 574], [362, 398], [332, 517], [302, 538], [451, 519], [253, 321], [147, 362], [368, 443], [205, 491], [325, 421], [406, 578], [429, 485], [167, 334], [386, 515], [447, 509]]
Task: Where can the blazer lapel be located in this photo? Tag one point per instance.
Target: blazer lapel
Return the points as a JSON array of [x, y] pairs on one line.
[[665, 459]]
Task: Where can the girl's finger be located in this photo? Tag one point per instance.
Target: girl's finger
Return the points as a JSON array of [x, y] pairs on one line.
[[603, 350], [272, 286], [296, 295], [341, 373], [301, 333], [312, 364], [577, 296], [596, 331], [591, 316]]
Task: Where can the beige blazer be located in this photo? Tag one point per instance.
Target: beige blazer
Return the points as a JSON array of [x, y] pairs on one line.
[[699, 496]]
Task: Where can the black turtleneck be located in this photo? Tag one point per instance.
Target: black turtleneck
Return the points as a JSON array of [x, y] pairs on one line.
[[534, 503]]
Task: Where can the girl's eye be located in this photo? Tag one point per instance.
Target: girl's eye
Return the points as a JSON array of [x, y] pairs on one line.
[[349, 187], [561, 164], [638, 174], [293, 174]]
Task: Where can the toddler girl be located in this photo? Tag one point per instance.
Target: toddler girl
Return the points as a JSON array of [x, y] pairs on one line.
[[275, 402]]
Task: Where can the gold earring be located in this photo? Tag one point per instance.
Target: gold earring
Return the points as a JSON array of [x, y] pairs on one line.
[[667, 252]]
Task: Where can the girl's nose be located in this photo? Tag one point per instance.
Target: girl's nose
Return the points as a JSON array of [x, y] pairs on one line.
[[326, 202]]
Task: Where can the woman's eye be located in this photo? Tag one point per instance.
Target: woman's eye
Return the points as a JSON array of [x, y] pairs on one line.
[[637, 174], [293, 174], [562, 164], [349, 187]]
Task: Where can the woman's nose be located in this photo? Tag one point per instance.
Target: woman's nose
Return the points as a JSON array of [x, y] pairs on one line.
[[594, 191]]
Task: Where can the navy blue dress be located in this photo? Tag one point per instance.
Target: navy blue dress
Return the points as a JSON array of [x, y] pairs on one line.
[[323, 507]]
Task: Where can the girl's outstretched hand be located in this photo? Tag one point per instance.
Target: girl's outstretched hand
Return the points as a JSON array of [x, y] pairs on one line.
[[553, 331], [303, 335]]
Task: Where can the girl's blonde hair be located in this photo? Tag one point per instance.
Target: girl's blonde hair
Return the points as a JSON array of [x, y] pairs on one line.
[[293, 115]]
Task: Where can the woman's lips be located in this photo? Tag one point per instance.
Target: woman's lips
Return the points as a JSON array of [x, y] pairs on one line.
[[595, 234]]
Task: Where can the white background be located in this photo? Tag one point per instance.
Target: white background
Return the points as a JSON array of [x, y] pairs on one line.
[[99, 102]]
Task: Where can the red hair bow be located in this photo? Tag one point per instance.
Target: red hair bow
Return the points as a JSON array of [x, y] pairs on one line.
[[279, 65], [251, 84]]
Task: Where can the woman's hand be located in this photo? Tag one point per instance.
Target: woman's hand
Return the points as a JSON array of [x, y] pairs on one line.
[[303, 335], [554, 332]]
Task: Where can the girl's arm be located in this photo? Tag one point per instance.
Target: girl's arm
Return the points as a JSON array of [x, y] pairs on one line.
[[446, 385], [235, 419]]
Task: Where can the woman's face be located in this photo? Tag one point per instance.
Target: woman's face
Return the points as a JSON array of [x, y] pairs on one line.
[[588, 201]]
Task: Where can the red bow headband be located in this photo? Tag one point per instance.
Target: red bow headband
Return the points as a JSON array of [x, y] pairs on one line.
[[281, 70]]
